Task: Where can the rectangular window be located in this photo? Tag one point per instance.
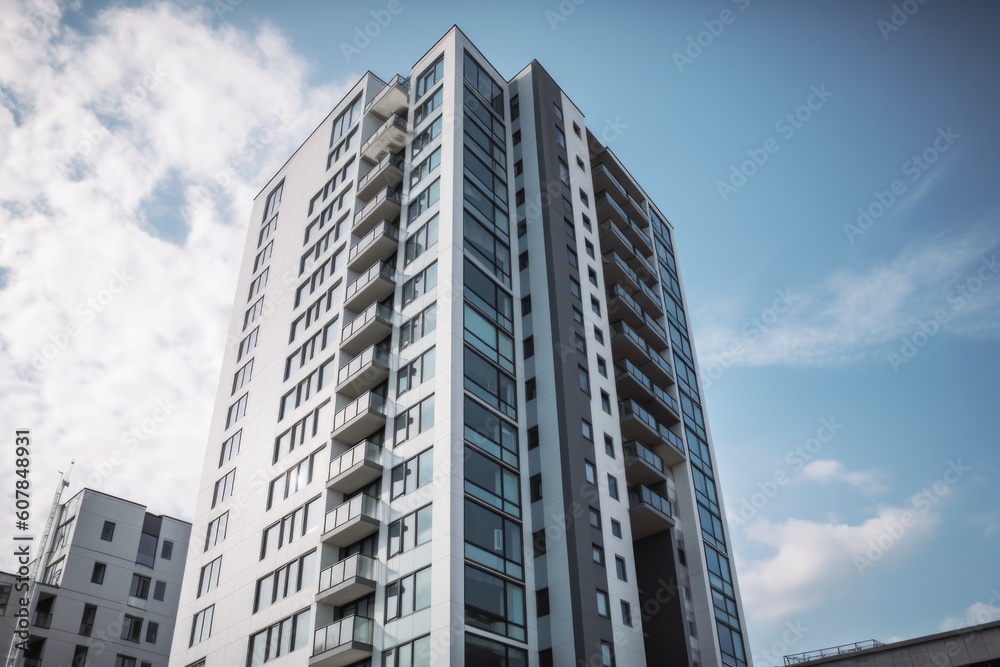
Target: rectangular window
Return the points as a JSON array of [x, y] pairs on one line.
[[159, 590], [248, 344], [492, 483], [236, 411], [426, 108], [411, 531], [97, 574], [286, 580], [224, 487], [124, 661], [558, 111], [414, 421], [427, 198], [421, 240], [407, 595], [485, 430], [416, 372], [296, 478], [429, 134], [253, 313], [263, 256], [416, 653], [612, 486], [425, 167], [108, 531], [88, 619], [494, 604], [430, 76], [490, 384], [482, 651], [535, 487], [603, 606], [242, 377], [287, 635], [561, 141], [152, 630], [343, 122], [299, 522], [620, 568], [418, 326], [216, 531], [140, 587], [591, 472], [132, 629], [273, 199], [488, 339], [201, 626], [493, 540], [209, 576], [626, 613], [420, 284], [413, 474], [515, 107], [230, 448]]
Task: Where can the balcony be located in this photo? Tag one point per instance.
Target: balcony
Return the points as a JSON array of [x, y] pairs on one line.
[[613, 238], [393, 99], [360, 419], [638, 423], [356, 467], [632, 382], [671, 448], [343, 642], [648, 299], [385, 206], [642, 464], [603, 179], [347, 580], [363, 372], [375, 284], [369, 327], [664, 406], [606, 205], [378, 244], [390, 138], [388, 172], [659, 369], [621, 306], [352, 521], [42, 620], [649, 512], [626, 343], [617, 270]]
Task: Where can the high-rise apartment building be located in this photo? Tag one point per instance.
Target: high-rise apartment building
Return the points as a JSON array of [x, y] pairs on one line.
[[459, 419], [108, 586]]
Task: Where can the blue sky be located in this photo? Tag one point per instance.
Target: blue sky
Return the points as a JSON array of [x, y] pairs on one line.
[[852, 364]]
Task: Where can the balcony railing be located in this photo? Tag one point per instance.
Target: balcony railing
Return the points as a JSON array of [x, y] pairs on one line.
[[340, 633], [636, 449], [398, 81], [379, 270], [356, 455], [843, 649], [352, 567], [388, 171], [373, 355], [356, 507], [374, 311], [603, 197], [370, 402], [390, 194], [646, 496], [385, 230], [602, 171], [390, 137]]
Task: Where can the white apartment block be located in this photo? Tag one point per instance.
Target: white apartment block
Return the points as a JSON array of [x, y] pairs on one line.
[[459, 417]]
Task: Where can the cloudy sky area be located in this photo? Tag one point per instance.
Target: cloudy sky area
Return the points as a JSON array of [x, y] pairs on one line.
[[851, 361]]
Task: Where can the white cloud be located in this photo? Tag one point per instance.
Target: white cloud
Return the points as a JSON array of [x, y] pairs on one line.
[[826, 470], [100, 317], [977, 614], [810, 562], [856, 315]]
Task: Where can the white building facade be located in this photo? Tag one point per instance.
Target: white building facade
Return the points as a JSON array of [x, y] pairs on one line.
[[451, 427]]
